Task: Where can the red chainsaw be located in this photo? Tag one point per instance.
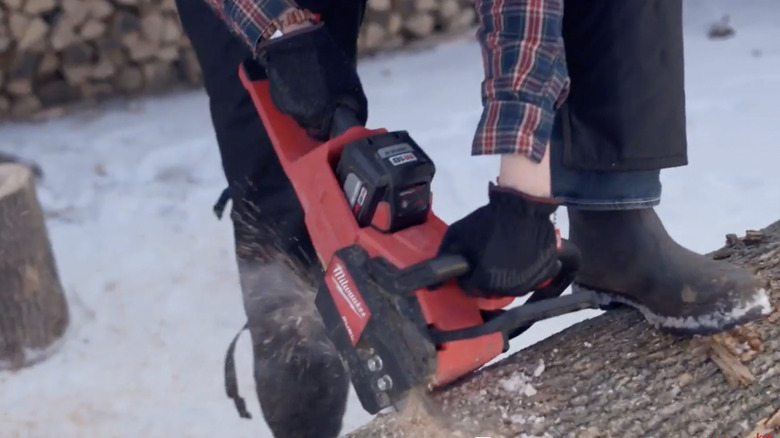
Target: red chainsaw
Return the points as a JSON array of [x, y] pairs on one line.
[[391, 306]]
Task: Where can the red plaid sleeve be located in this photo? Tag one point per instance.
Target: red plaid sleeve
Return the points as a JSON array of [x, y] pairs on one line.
[[253, 20], [525, 75]]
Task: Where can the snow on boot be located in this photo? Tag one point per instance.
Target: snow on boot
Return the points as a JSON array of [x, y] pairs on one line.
[[629, 258], [302, 384]]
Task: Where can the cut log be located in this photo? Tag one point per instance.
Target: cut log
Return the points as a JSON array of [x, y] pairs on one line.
[[5, 105], [17, 24], [77, 63], [37, 7], [420, 25], [50, 63], [34, 32], [92, 29], [76, 11], [33, 309], [616, 376], [20, 78], [100, 9], [130, 79], [63, 33], [5, 43], [13, 5], [25, 106]]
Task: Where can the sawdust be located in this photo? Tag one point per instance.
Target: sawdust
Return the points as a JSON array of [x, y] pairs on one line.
[[421, 418]]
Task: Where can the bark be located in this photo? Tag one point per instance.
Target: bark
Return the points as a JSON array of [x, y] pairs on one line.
[[616, 376], [33, 309]]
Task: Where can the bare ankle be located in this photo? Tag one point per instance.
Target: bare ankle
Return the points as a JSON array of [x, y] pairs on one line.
[[521, 173]]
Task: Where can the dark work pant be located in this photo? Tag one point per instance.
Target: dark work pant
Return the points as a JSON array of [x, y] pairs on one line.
[[624, 119], [301, 382]]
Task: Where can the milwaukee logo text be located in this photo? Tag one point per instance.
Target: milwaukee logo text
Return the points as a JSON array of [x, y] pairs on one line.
[[346, 291]]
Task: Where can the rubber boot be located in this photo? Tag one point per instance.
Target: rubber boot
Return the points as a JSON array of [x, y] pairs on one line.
[[629, 258], [302, 384]]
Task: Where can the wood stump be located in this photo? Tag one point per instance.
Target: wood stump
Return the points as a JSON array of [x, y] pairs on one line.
[[33, 310]]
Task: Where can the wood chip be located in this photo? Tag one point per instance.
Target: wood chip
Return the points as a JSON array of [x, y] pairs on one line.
[[684, 380], [735, 372]]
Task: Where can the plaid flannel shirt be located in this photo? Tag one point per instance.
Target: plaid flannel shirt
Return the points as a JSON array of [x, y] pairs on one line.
[[526, 78], [523, 59], [251, 20]]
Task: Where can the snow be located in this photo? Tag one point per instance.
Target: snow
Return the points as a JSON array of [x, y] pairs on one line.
[[149, 271], [518, 383], [539, 368]]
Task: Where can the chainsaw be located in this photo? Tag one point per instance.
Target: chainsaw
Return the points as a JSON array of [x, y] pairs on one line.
[[390, 304]]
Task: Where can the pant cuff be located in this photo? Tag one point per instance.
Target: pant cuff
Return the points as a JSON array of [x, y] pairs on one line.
[[613, 204], [600, 190]]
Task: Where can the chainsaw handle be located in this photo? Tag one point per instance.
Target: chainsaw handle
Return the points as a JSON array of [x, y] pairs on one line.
[[434, 272], [430, 273], [343, 119], [448, 266]]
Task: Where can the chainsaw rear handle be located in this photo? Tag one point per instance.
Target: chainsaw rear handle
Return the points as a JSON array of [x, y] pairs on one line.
[[446, 267], [545, 302], [343, 119], [432, 273]]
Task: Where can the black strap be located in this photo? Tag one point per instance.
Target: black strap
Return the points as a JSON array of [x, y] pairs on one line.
[[231, 381], [219, 207]]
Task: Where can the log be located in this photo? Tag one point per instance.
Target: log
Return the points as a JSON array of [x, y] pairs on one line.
[[616, 376], [33, 309]]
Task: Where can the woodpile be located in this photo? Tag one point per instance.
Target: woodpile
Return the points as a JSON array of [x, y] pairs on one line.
[[55, 53], [391, 24]]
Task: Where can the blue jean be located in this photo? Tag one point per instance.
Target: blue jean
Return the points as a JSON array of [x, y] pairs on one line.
[[593, 190]]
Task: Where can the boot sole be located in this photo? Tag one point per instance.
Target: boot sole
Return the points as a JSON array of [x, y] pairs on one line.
[[704, 324]]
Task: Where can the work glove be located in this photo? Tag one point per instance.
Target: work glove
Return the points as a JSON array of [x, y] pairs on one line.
[[510, 244], [309, 76]]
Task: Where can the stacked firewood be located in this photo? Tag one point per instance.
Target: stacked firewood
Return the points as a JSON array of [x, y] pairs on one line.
[[54, 53], [394, 23]]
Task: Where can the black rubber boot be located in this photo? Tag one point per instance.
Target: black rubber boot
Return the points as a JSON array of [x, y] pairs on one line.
[[629, 258], [302, 384]]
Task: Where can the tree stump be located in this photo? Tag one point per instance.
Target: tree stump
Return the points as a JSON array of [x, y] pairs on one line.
[[33, 310], [616, 376]]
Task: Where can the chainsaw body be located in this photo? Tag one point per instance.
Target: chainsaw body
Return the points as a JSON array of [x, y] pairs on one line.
[[391, 306]]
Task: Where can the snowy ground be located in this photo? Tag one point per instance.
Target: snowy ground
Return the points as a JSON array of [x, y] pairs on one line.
[[149, 271]]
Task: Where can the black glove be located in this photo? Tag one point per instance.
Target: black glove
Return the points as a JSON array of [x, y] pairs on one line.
[[309, 76], [510, 244]]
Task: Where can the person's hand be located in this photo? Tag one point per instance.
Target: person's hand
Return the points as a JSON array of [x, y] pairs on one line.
[[510, 244], [309, 76]]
